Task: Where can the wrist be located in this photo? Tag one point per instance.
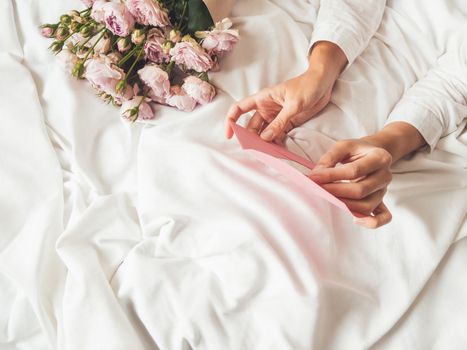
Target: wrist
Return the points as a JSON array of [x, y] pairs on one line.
[[398, 138], [326, 60]]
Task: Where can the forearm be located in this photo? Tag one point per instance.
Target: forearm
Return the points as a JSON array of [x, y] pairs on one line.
[[219, 9], [328, 59], [398, 138]]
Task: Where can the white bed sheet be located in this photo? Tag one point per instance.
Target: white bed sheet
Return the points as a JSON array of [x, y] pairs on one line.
[[167, 236]]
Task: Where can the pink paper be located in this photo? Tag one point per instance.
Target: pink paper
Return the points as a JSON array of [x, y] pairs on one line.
[[268, 153]]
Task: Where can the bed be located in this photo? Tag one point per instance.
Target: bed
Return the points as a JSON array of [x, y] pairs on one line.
[[165, 235]]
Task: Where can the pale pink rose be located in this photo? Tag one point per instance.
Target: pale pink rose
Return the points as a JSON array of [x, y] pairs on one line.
[[104, 75], [130, 110], [47, 32], [148, 12], [118, 19], [88, 3], [178, 98], [153, 47], [157, 80], [98, 11], [221, 39], [67, 60], [219, 43], [200, 90], [192, 56], [115, 57]]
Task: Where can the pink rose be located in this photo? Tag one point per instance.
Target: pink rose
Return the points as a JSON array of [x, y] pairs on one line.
[[191, 55], [148, 12], [88, 3], [179, 99], [221, 39], [219, 43], [201, 91], [118, 19], [157, 80], [98, 11], [136, 109], [104, 75], [154, 47]]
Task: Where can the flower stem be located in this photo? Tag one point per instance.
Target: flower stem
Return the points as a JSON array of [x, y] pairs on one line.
[[134, 64], [128, 56], [92, 36], [93, 46]]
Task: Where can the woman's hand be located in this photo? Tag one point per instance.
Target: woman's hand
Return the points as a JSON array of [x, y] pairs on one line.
[[365, 170], [357, 171], [281, 108]]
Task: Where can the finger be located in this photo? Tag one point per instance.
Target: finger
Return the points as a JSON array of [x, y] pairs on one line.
[[360, 189], [255, 123], [367, 205], [381, 217], [278, 125], [338, 152], [241, 107], [350, 171]]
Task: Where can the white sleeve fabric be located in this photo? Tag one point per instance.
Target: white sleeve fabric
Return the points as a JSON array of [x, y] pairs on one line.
[[349, 24], [437, 103]]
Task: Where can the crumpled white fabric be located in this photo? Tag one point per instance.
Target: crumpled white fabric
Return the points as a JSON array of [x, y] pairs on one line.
[[166, 235]]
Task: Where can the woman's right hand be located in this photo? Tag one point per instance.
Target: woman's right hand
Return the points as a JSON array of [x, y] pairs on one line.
[[281, 108]]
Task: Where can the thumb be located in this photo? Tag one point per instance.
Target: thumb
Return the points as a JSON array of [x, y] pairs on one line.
[[340, 151], [278, 125]]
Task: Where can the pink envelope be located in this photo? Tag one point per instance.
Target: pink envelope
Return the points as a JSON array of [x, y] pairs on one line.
[[268, 153]]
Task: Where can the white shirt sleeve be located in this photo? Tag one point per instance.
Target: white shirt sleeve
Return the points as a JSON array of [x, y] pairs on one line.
[[349, 24], [437, 103]]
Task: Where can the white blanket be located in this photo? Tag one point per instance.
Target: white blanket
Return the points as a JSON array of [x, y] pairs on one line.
[[167, 236]]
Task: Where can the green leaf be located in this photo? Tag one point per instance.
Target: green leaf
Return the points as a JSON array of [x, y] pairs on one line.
[[199, 17]]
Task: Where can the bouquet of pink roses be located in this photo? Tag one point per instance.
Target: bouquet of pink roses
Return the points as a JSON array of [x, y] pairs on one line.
[[138, 52]]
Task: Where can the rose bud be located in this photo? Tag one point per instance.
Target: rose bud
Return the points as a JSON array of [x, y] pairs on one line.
[[121, 85], [47, 30], [56, 46], [123, 44], [74, 26], [175, 35], [78, 70], [115, 57], [62, 33], [65, 19], [103, 46], [73, 13], [138, 36], [86, 31], [78, 19], [167, 46]]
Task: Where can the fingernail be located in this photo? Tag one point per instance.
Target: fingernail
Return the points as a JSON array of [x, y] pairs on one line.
[[267, 135]]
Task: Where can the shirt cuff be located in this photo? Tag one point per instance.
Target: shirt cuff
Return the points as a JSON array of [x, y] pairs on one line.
[[421, 118], [337, 34]]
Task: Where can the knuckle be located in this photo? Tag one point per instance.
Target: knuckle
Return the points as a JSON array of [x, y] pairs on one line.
[[360, 192], [354, 171], [343, 144], [278, 124], [295, 106], [384, 156]]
